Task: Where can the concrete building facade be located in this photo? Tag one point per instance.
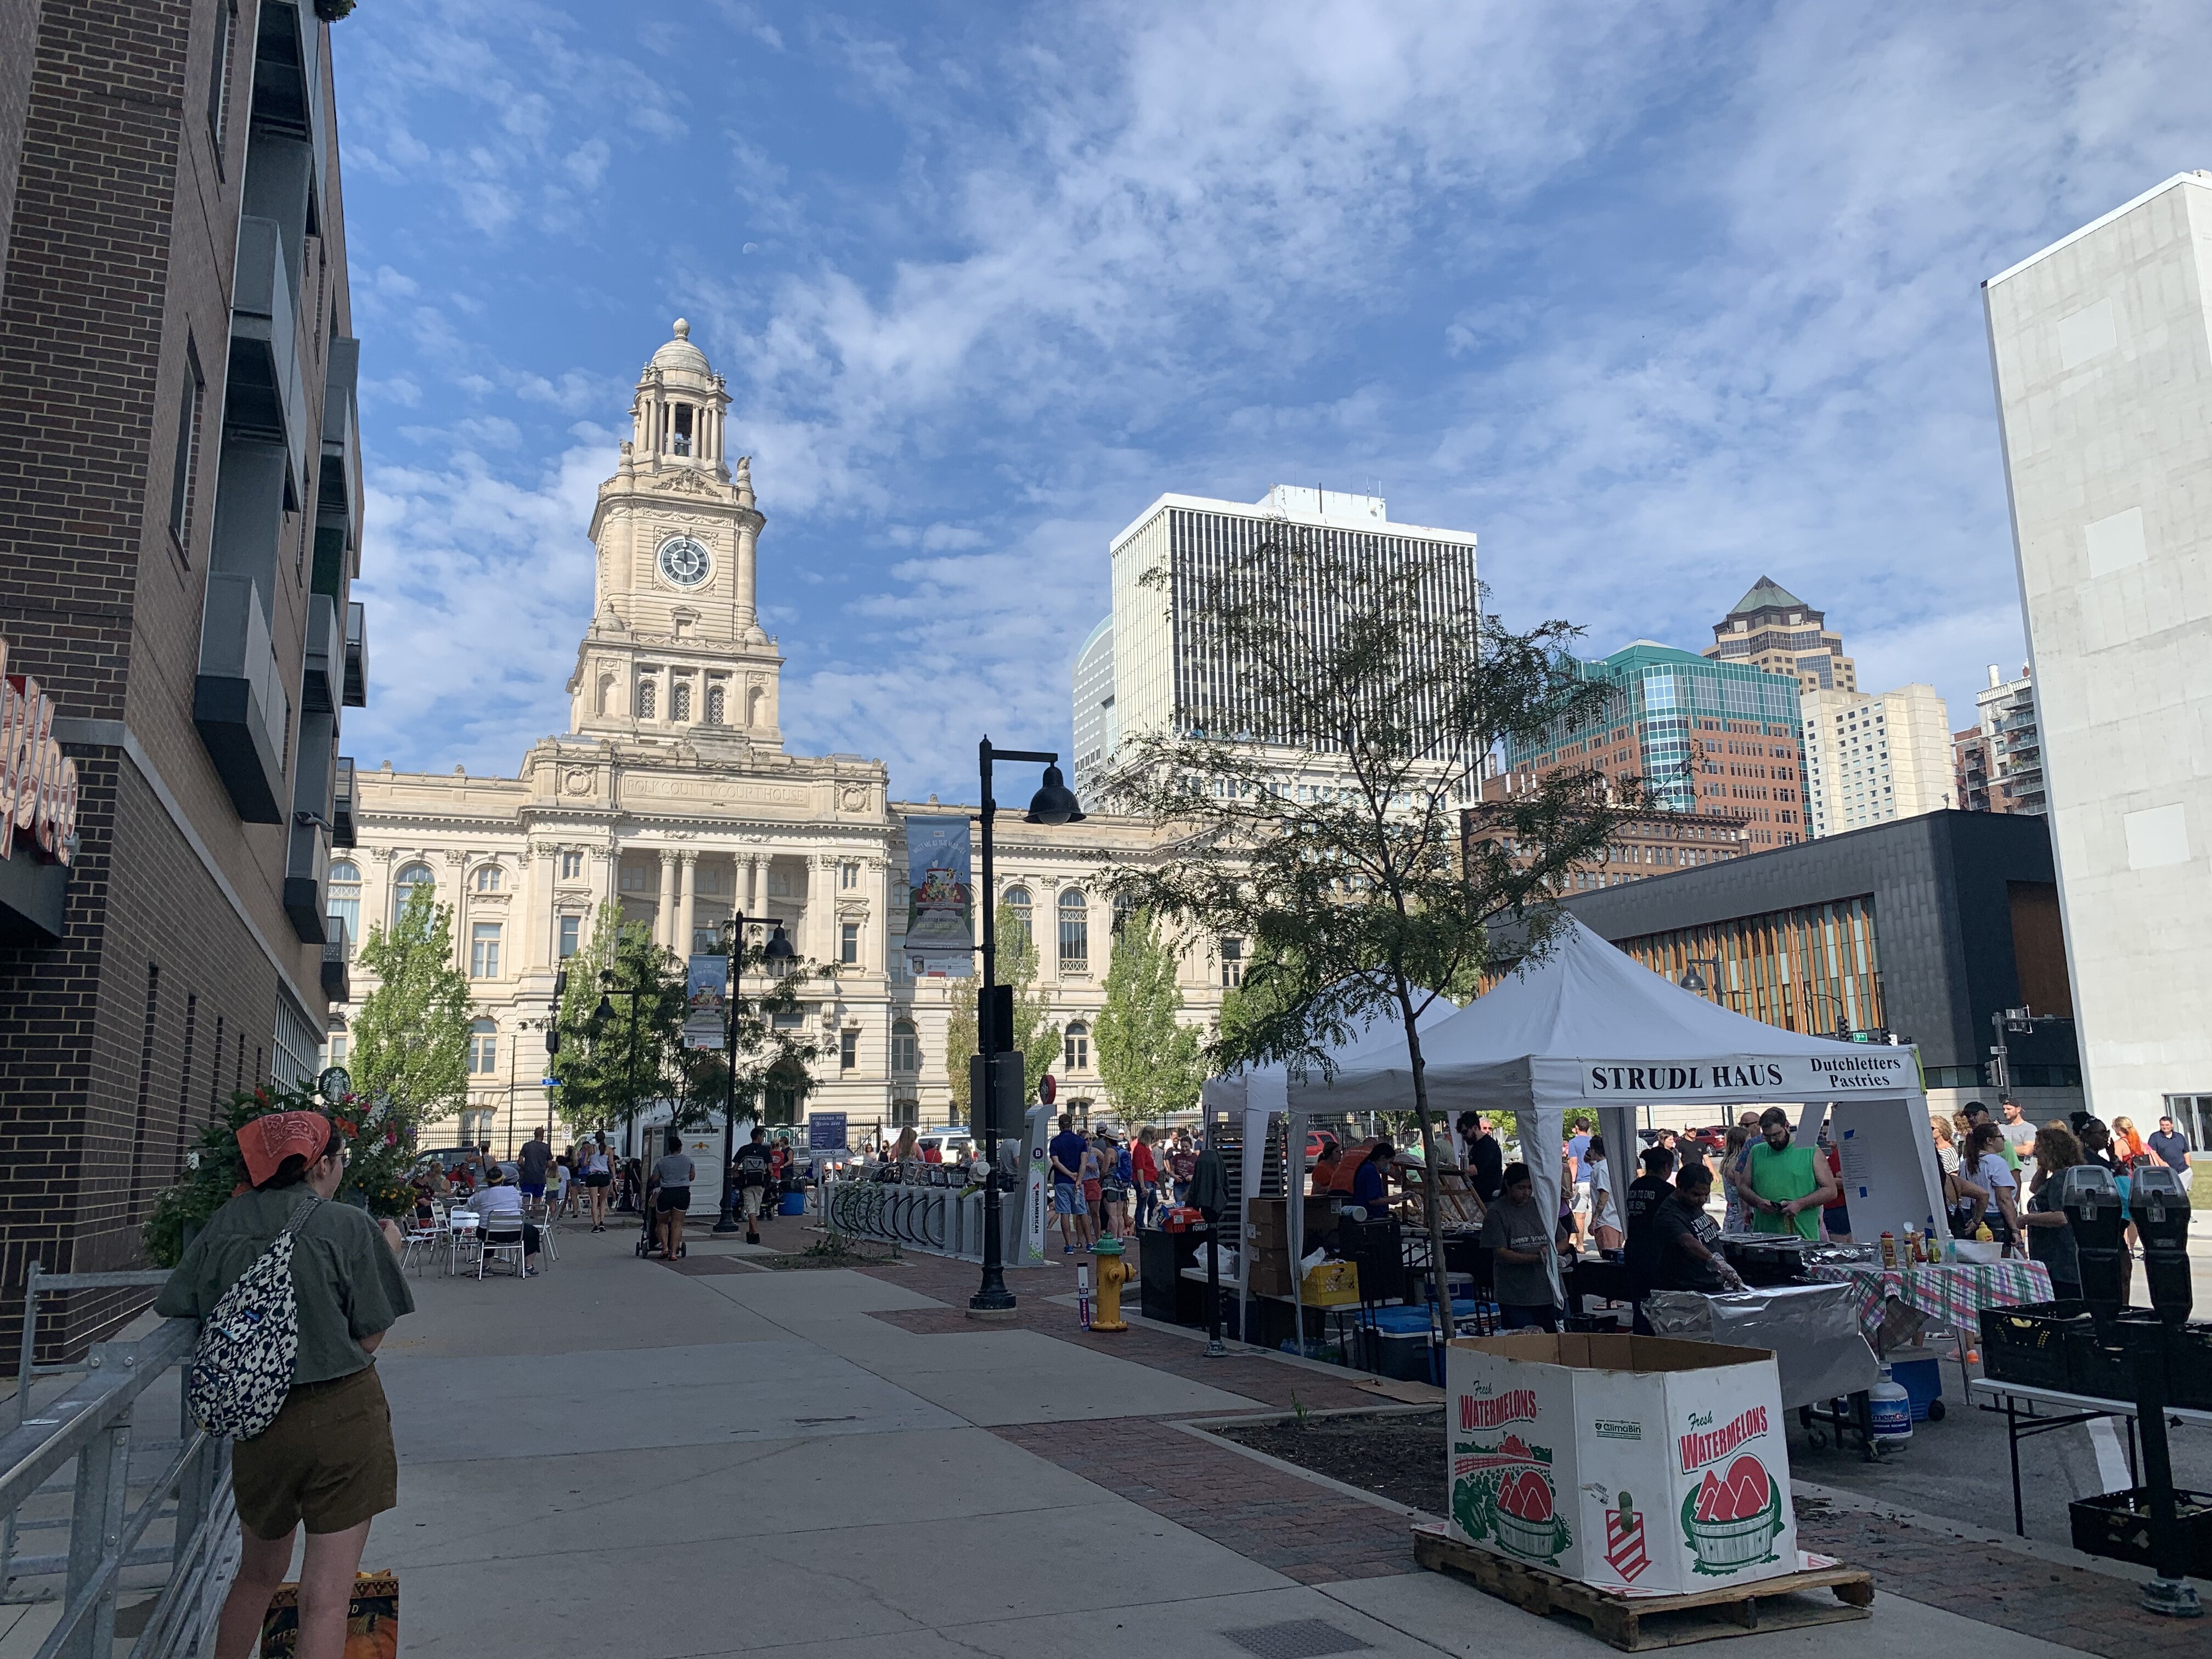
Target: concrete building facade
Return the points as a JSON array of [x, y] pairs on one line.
[[672, 799], [1772, 628], [1163, 673], [2101, 347], [179, 523], [1871, 758], [1924, 927]]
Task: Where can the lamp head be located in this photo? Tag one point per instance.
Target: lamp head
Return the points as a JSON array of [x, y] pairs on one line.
[[605, 1012], [1694, 982], [777, 948], [1054, 802]]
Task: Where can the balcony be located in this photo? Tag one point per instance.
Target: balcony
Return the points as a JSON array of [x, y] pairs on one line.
[[264, 398], [342, 807], [337, 983], [307, 879], [318, 680], [338, 485], [239, 702], [357, 656]]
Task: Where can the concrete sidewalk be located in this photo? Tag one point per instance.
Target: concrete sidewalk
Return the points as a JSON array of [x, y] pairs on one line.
[[618, 1458]]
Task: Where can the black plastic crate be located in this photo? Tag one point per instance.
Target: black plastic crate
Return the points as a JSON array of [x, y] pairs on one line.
[[2106, 1370], [2028, 1344], [2117, 1527], [2189, 1366]]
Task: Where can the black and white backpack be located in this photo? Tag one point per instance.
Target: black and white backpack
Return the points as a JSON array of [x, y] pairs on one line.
[[242, 1365]]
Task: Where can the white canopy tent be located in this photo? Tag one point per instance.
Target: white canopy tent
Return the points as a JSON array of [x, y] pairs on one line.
[[1258, 1094], [1589, 1029]]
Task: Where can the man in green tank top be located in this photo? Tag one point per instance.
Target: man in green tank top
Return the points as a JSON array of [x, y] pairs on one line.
[[1784, 1185]]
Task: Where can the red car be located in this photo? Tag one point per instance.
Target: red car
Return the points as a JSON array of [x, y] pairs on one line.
[[1319, 1143]]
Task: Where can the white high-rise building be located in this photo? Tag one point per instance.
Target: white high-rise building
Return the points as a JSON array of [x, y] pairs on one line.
[[2101, 346], [1872, 757], [1158, 666], [1096, 730]]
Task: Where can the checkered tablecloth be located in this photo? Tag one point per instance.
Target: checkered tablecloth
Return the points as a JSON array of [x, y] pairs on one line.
[[1951, 1294]]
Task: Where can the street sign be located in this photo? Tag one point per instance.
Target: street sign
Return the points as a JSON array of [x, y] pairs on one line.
[[826, 1132], [548, 1082]]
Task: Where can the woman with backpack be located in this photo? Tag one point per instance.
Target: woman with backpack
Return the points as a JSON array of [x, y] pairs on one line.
[[287, 1366]]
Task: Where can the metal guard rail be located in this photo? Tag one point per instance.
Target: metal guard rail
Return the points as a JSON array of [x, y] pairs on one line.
[[103, 1533]]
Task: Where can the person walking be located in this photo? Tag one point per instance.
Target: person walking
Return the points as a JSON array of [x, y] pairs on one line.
[[1065, 1153], [598, 1177], [753, 1169], [326, 1462], [1146, 1169], [531, 1164], [1116, 1176], [2170, 1147], [675, 1172], [1094, 1186]]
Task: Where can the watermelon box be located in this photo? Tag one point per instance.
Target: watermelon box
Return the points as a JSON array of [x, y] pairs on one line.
[[1640, 1465]]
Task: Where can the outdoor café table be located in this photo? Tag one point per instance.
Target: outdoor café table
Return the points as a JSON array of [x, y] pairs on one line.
[[2071, 1408]]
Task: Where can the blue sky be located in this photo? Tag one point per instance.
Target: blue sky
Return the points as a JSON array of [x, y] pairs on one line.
[[1655, 298]]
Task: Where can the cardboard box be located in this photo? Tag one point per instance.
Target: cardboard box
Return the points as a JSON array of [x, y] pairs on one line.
[[1637, 1464], [1270, 1272], [1267, 1223]]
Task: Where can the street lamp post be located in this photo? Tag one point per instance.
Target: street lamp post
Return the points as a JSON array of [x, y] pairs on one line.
[[777, 950], [1054, 802], [1843, 1015]]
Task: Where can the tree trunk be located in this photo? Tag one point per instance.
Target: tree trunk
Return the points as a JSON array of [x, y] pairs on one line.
[[1440, 1283]]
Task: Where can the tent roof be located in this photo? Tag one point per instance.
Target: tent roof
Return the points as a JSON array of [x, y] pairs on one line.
[[1535, 1033], [1379, 1038]]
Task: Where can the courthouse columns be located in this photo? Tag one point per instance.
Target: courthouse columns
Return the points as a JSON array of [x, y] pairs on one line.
[[687, 905], [664, 912]]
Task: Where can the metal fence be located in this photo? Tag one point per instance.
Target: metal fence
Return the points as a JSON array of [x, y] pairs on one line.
[[175, 1552]]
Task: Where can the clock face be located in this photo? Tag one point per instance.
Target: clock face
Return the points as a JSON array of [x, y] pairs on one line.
[[684, 561]]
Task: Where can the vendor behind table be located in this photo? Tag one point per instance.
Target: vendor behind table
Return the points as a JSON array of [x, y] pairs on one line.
[[1783, 1184]]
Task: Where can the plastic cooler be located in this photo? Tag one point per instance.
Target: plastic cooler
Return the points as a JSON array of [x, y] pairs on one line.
[[1923, 1383]]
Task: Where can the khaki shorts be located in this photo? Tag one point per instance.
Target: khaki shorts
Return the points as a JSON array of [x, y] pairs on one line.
[[752, 1197], [327, 1460]]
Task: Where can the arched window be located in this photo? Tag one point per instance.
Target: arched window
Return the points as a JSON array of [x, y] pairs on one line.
[[717, 705], [488, 878], [1075, 1047], [753, 707], [1074, 930], [1016, 901], [344, 902], [679, 701], [906, 1046], [606, 691], [404, 884], [483, 1049], [645, 694]]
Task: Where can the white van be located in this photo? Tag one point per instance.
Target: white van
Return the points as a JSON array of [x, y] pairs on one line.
[[952, 1145]]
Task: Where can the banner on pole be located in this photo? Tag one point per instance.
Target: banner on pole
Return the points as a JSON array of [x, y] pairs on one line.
[[940, 908], [706, 994]]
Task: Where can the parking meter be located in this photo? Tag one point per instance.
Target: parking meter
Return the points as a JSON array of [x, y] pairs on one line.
[[2091, 1198], [2159, 1207]]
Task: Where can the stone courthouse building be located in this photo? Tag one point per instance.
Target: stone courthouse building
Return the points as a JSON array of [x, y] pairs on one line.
[[672, 797]]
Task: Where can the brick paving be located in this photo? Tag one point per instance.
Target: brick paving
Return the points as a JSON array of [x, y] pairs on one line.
[[2073, 1607], [1300, 1528]]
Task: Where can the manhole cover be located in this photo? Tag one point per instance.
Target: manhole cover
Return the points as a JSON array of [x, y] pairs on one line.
[[1295, 1638]]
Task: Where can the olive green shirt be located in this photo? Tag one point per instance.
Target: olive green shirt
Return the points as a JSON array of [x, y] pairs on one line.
[[344, 1276]]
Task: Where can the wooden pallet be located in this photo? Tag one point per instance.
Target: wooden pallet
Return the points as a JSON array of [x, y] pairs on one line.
[[1635, 1623]]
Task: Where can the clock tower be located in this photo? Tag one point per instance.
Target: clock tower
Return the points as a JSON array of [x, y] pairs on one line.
[[675, 651]]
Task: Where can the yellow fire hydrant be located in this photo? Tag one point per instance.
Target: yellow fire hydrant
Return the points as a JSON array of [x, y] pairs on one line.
[[1113, 1272]]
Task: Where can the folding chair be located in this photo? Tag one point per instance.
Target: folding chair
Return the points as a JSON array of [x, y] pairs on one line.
[[503, 1236], [422, 1241], [463, 1234], [545, 1217]]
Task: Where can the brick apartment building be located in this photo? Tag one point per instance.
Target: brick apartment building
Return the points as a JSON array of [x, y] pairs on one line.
[[1648, 843], [180, 521]]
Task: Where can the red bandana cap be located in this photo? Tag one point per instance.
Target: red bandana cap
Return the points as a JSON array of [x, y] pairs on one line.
[[266, 1142]]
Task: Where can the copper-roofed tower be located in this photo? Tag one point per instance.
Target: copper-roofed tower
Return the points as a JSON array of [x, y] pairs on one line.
[[1770, 627]]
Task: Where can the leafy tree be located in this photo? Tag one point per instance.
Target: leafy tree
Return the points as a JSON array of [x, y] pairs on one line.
[[610, 1068], [1033, 1036], [410, 1040], [1359, 893], [1148, 1057]]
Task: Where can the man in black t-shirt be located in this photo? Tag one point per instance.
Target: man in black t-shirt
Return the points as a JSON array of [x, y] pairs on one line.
[[1687, 1241], [751, 1168]]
